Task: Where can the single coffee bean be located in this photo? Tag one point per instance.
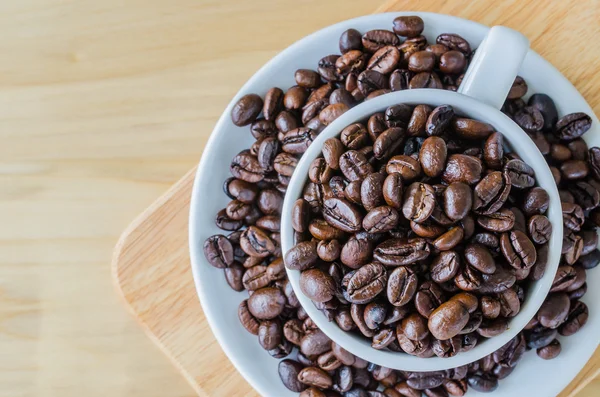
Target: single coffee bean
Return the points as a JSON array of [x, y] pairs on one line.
[[448, 320], [547, 108], [408, 167], [246, 167], [355, 136], [295, 98], [307, 78], [458, 199], [462, 168], [288, 373], [354, 165], [400, 79], [540, 229], [454, 42], [471, 129], [298, 140], [421, 61], [356, 252], [518, 89], [317, 285], [414, 327], [577, 318], [530, 119], [342, 215], [432, 156], [381, 219], [445, 266], [326, 67], [301, 256], [480, 258], [438, 120], [368, 282], [315, 343], [518, 250], [521, 175], [536, 201], [218, 251], [425, 80], [491, 193], [373, 40], [469, 279], [270, 334], [554, 310], [586, 195], [452, 62], [401, 286], [255, 278], [316, 377], [273, 103], [408, 26], [572, 126], [332, 112], [450, 239], [285, 163], [374, 315], [384, 60], [393, 190], [401, 252], [246, 110], [351, 39], [482, 382], [419, 201], [370, 81], [266, 303], [551, 351]]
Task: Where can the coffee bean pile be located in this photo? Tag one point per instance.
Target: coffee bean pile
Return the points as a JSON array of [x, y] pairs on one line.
[[410, 211], [260, 176]]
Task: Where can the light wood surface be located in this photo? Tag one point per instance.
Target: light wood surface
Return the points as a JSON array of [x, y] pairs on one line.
[[104, 105], [154, 280]]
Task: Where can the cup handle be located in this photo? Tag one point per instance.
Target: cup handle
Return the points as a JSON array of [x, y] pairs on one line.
[[494, 66]]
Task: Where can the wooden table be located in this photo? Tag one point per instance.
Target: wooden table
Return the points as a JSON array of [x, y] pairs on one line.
[[103, 105]]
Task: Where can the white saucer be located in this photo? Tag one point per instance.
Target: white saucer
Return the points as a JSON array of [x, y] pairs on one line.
[[533, 375]]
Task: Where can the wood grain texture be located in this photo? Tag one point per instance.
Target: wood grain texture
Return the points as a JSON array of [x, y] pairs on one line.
[[156, 282]]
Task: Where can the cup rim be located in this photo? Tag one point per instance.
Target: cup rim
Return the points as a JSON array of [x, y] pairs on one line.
[[519, 142]]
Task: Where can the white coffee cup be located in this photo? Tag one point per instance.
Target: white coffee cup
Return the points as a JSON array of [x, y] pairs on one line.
[[480, 96]]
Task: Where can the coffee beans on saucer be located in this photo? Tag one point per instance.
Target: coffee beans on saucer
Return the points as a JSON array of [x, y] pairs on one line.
[[285, 121]]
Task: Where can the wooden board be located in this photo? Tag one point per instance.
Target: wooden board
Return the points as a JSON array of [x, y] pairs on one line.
[[151, 264]]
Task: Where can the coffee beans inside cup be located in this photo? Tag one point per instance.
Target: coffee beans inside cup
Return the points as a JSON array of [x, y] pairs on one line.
[[259, 182]]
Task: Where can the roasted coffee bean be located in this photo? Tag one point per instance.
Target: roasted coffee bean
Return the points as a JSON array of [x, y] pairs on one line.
[[368, 282], [356, 252], [449, 240], [351, 39], [489, 329], [288, 373], [315, 343], [322, 230], [380, 219], [218, 251], [307, 78], [342, 215], [577, 318], [354, 165], [266, 303], [458, 199], [469, 279], [572, 126], [520, 174], [530, 119], [373, 40], [482, 382], [400, 79], [270, 201], [432, 156], [425, 80], [355, 136], [332, 112], [246, 167], [370, 81], [421, 61], [329, 250], [312, 392], [408, 167], [248, 321], [438, 120], [371, 190], [246, 109], [499, 222], [295, 98], [270, 334], [586, 195], [327, 68], [398, 115], [480, 258], [540, 229], [452, 62], [298, 140], [471, 129], [419, 201], [590, 260], [491, 193], [462, 168], [518, 250], [316, 377], [518, 89], [448, 320], [255, 278], [255, 242], [317, 285], [550, 351], [262, 128], [285, 163], [408, 26], [374, 315], [554, 310], [573, 216], [301, 256], [454, 42], [545, 105], [401, 252], [392, 190], [429, 297], [273, 103], [384, 60], [401, 286]]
